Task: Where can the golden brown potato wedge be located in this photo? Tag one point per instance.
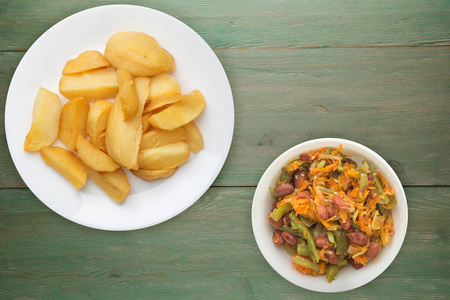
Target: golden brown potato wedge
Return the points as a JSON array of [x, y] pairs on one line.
[[159, 137], [152, 175], [45, 126], [115, 183], [142, 87], [127, 93], [74, 116], [138, 53], [194, 137], [163, 157], [86, 61], [93, 157], [123, 137], [66, 163], [146, 126], [163, 84], [179, 113], [92, 85], [97, 121], [161, 102]]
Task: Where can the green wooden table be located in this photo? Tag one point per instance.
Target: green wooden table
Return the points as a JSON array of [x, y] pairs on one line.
[[375, 72]]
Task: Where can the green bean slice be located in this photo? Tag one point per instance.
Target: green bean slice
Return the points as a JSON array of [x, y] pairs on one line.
[[306, 263], [278, 212], [325, 190], [303, 249], [332, 271], [297, 224], [321, 164], [340, 236]]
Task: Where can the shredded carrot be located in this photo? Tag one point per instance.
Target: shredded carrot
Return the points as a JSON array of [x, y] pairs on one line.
[[293, 165], [354, 174], [361, 259], [304, 270], [323, 267]]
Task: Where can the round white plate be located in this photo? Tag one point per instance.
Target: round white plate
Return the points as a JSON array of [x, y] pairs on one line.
[[348, 278], [149, 203]]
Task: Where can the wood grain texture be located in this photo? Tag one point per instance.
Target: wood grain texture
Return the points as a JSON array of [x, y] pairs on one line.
[[393, 100], [260, 24], [376, 72], [206, 252]]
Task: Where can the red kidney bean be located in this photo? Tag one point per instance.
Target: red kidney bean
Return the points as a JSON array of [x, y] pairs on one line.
[[299, 177], [331, 256], [349, 161], [323, 242], [275, 204], [369, 176], [275, 223], [283, 189], [338, 200], [348, 192], [373, 250], [286, 220], [278, 238], [305, 156], [289, 238], [304, 195], [331, 211], [358, 238], [321, 212], [354, 264], [346, 225]]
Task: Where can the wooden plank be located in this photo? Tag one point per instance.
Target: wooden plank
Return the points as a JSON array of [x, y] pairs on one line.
[[206, 252], [260, 24], [8, 176], [393, 100]]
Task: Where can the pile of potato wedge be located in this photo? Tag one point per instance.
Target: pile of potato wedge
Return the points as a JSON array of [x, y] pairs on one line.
[[124, 110]]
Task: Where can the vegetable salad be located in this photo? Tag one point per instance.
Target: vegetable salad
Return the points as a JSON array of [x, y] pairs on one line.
[[329, 212]]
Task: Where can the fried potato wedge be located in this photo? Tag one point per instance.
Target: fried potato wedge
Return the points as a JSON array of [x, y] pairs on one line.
[[179, 113], [194, 137], [92, 85], [73, 122], [127, 93], [66, 163], [115, 183], [138, 53], [45, 126], [152, 175], [86, 61], [146, 126], [142, 87], [93, 157], [159, 137], [161, 102], [122, 137], [97, 121], [163, 157], [163, 84]]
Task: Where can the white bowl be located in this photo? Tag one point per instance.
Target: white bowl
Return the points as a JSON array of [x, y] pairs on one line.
[[348, 278]]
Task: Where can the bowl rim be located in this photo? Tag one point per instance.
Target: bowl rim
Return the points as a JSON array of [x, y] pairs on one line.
[[377, 268]]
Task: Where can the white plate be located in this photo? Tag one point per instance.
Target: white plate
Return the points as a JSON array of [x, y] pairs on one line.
[[149, 203], [348, 278]]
